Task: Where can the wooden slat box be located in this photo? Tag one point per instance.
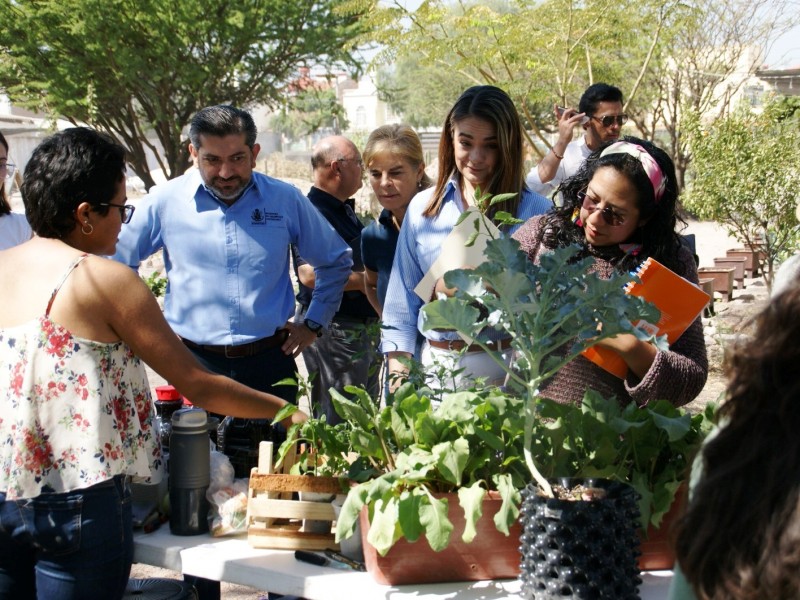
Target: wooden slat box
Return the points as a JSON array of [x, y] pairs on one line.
[[275, 518]]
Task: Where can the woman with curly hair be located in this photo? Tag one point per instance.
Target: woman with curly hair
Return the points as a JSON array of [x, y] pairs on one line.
[[620, 209], [740, 536]]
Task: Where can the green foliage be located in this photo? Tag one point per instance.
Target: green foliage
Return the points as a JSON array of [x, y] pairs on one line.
[[650, 447], [552, 311], [141, 70], [540, 52], [156, 283], [410, 452], [746, 173], [421, 105], [310, 111]]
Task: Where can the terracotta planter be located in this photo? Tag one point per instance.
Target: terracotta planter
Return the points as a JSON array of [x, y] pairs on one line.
[[491, 555], [657, 549]]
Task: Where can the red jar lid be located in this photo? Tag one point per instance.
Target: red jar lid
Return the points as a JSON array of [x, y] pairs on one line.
[[167, 392]]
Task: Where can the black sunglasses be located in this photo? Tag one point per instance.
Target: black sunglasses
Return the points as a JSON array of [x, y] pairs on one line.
[[125, 210], [609, 120], [609, 216]]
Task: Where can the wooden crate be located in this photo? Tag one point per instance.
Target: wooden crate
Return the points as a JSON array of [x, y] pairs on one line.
[[276, 518]]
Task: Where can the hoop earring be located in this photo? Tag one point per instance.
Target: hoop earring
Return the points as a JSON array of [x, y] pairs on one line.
[[85, 225]]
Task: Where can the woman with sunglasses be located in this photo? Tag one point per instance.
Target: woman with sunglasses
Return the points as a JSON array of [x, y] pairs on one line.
[[75, 332], [14, 228], [620, 208]]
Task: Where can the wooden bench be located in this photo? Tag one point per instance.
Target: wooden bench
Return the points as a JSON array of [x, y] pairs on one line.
[[707, 285], [735, 262], [722, 277]]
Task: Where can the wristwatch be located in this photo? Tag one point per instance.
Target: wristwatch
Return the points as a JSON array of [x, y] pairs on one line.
[[314, 326]]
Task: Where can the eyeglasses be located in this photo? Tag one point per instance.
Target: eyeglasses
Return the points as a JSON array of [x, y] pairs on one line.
[[609, 216], [125, 210], [357, 159], [8, 168], [609, 120]]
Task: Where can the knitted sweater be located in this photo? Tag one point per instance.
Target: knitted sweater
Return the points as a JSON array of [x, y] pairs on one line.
[[677, 375]]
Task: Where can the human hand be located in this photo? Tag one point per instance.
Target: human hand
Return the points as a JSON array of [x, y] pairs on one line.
[[298, 338], [567, 119]]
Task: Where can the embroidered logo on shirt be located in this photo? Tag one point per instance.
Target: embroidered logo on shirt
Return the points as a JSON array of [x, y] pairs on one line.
[[259, 217]]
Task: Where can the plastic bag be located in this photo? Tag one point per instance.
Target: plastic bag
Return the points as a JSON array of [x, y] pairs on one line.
[[228, 514], [227, 497]]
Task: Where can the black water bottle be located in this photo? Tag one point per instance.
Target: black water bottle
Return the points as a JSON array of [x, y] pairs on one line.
[[189, 472]]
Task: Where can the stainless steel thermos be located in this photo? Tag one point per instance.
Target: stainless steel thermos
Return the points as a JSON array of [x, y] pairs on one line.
[[189, 472]]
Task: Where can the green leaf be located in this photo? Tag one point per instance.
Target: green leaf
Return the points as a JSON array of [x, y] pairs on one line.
[[433, 517], [509, 509], [451, 457], [471, 501], [409, 514], [384, 529]]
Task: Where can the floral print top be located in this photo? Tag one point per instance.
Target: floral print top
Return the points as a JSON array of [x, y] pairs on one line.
[[75, 412]]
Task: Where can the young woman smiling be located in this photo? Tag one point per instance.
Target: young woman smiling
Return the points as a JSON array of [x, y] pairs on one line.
[[481, 147]]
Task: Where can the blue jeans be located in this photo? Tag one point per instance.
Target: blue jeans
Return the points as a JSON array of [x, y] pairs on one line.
[[67, 546]]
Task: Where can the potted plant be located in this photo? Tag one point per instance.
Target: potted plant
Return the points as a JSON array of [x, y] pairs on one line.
[[553, 311]]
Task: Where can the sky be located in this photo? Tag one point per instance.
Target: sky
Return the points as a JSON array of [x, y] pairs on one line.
[[785, 51]]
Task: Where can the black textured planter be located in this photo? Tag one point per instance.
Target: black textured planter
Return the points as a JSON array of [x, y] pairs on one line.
[[583, 549]]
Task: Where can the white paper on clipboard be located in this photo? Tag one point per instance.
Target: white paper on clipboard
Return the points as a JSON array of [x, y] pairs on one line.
[[456, 254]]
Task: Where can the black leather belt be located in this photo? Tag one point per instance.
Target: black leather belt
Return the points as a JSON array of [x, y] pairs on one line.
[[242, 350]]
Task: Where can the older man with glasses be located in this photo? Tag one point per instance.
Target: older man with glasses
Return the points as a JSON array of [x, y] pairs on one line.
[[600, 114], [346, 353]]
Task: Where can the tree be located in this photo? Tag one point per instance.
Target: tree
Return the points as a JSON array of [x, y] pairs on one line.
[[310, 110], [419, 92], [140, 70], [712, 50], [540, 52], [746, 173]]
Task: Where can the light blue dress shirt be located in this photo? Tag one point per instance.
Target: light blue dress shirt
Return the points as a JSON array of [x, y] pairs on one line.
[[228, 266], [420, 243]]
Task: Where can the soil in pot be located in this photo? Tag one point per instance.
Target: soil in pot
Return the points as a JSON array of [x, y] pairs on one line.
[[582, 546]]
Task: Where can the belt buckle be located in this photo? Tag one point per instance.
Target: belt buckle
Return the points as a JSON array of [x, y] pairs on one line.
[[451, 347]]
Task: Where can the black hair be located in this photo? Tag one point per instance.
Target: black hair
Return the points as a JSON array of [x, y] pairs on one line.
[[222, 120], [657, 236], [597, 93], [73, 166]]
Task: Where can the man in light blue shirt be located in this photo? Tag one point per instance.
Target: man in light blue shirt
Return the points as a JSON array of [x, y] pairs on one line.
[[226, 232]]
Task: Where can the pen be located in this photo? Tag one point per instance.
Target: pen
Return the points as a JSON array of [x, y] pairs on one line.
[[311, 558], [337, 556]]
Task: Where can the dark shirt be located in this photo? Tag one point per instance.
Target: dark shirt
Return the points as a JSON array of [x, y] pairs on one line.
[[344, 220], [378, 243]]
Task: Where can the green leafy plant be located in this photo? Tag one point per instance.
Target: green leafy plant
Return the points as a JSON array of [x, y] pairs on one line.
[[411, 452], [156, 283], [650, 447], [552, 312]]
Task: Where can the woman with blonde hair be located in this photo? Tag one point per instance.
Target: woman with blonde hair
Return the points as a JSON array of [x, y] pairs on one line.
[[481, 148], [395, 168]]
